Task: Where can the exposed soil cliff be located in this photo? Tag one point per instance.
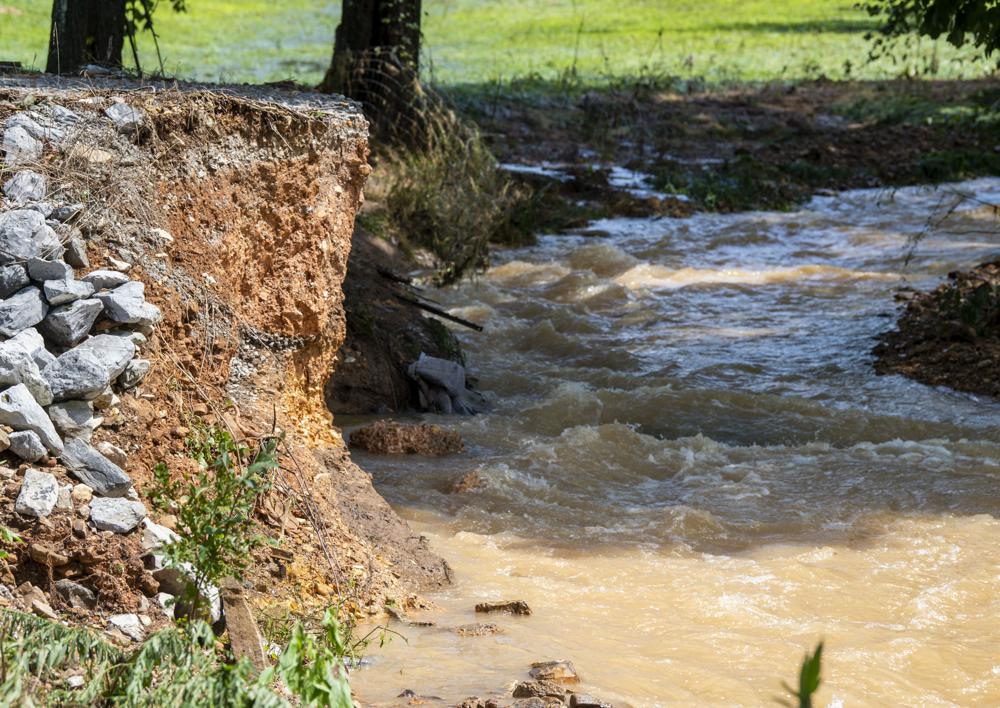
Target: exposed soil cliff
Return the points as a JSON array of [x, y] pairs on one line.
[[236, 210]]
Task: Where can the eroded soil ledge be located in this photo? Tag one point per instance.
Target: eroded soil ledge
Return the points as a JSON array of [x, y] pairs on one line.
[[235, 207]]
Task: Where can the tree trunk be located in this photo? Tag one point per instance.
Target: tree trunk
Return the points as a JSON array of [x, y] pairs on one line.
[[376, 61], [85, 32]]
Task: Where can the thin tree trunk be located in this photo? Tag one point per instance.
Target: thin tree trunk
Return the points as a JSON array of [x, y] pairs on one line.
[[85, 32]]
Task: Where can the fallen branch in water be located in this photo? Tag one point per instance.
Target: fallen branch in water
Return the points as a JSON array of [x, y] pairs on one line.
[[437, 311]]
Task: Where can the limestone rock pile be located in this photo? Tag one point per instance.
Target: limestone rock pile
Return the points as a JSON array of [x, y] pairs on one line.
[[69, 343]]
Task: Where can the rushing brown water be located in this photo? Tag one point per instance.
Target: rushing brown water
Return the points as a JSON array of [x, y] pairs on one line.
[[693, 475]]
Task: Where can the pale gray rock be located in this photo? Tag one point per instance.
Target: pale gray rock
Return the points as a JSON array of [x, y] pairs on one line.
[[114, 352], [65, 500], [63, 115], [76, 374], [137, 338], [127, 305], [105, 279], [106, 399], [67, 325], [89, 368], [76, 595], [126, 118], [31, 342], [41, 270], [38, 495], [18, 367], [118, 515], [128, 624], [74, 419], [31, 125], [60, 292], [67, 212], [134, 373], [76, 253], [43, 208], [27, 445], [20, 147], [23, 309], [24, 234], [95, 470], [20, 410], [12, 278], [26, 187]]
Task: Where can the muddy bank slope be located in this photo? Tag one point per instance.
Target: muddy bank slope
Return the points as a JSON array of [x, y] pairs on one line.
[[235, 209]]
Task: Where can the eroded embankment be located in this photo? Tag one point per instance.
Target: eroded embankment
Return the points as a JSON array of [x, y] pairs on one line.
[[236, 212]]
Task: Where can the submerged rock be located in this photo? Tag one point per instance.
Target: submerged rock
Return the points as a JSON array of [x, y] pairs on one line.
[[386, 437], [557, 671], [513, 607]]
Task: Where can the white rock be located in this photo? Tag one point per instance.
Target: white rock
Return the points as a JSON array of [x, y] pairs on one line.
[[65, 500], [155, 537], [39, 494], [18, 367], [129, 625], [24, 234]]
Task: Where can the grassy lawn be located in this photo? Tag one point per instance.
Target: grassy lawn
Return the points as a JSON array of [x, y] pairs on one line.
[[480, 42]]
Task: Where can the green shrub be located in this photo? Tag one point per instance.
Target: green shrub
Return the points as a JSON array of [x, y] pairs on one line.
[[215, 506]]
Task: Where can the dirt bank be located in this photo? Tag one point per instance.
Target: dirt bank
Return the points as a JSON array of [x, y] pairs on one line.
[[235, 207], [949, 336]]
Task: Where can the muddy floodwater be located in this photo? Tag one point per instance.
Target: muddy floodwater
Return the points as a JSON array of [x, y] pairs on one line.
[[692, 473]]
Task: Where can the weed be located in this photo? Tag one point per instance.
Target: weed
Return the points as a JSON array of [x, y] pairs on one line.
[[809, 680], [215, 521], [179, 666]]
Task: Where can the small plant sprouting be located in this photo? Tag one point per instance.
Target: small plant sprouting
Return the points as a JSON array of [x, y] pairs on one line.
[[809, 680], [215, 506]]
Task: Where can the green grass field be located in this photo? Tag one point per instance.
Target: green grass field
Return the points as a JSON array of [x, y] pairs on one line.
[[477, 42]]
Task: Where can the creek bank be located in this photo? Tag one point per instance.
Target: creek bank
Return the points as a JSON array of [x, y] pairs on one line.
[[949, 336], [224, 218]]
